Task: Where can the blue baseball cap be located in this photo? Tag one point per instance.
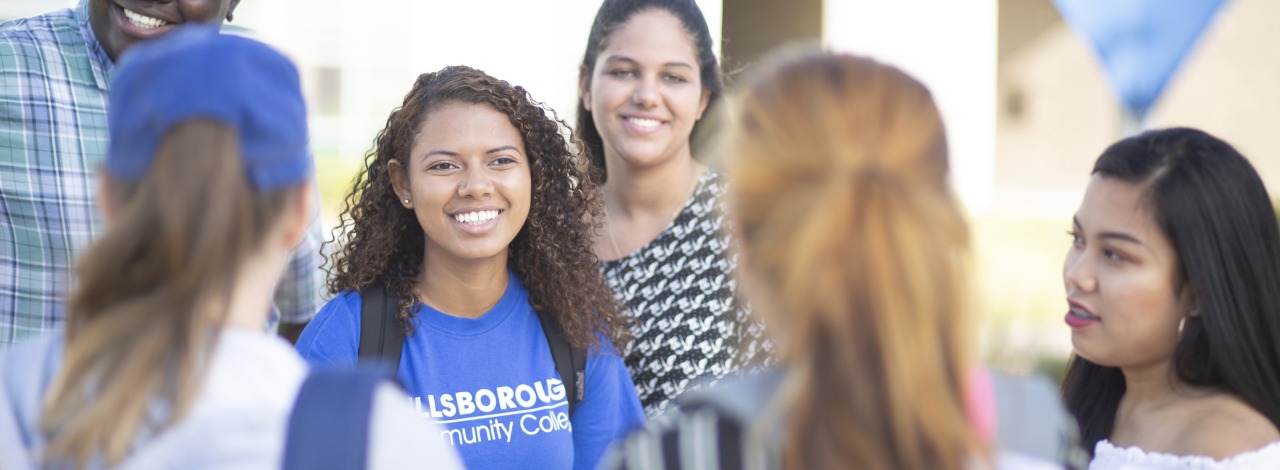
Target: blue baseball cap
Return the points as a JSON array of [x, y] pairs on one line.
[[197, 72]]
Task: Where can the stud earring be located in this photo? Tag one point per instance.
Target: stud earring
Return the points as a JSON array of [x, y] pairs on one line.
[[406, 202]]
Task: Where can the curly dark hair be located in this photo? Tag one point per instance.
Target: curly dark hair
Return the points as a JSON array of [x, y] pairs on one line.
[[553, 253]]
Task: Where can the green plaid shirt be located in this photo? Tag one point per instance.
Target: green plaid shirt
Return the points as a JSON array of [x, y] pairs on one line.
[[53, 136]]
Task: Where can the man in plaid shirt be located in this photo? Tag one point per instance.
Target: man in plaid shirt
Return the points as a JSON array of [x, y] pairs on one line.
[[54, 73]]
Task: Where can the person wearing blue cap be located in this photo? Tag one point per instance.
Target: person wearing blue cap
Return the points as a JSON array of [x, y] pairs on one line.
[[164, 362], [472, 221], [55, 71]]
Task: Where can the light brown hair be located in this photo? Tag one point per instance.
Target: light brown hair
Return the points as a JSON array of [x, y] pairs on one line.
[[152, 294], [855, 253]]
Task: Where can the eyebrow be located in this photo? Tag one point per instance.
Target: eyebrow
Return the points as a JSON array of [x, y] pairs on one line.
[[440, 152], [621, 58], [503, 148], [1111, 235], [450, 153]]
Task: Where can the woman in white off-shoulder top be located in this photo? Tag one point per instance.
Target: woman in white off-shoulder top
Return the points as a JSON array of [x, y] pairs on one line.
[[1172, 281]]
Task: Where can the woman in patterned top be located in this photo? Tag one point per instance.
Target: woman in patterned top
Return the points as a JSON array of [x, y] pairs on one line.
[[855, 252], [647, 78]]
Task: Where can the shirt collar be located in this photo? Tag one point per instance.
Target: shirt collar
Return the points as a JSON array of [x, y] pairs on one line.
[[98, 58]]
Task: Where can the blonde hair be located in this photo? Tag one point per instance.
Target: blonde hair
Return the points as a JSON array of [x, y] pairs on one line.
[[152, 294], [855, 252]]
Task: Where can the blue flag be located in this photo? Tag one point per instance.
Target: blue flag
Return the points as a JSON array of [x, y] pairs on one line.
[[1141, 42]]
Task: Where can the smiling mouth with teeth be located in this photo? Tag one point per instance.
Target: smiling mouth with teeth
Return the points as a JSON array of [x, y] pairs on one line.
[[477, 217], [644, 123], [143, 21]]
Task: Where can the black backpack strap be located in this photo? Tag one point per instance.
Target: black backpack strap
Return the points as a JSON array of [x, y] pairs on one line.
[[381, 338], [329, 424], [571, 362], [578, 357]]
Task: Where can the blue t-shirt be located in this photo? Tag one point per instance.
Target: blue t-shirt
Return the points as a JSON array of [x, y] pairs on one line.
[[493, 384]]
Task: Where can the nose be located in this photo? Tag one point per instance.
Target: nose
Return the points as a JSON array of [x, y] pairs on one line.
[[645, 94], [1078, 272], [476, 183]]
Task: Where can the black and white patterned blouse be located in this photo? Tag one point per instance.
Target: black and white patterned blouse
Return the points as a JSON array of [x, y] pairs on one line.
[[688, 324]]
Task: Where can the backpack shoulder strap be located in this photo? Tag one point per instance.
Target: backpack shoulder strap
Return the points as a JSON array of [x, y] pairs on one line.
[[571, 362], [381, 338], [329, 424]]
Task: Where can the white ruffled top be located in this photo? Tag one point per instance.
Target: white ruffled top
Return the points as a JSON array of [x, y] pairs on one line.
[[1109, 457]]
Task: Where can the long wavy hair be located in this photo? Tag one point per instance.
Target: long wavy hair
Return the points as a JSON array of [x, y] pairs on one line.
[[611, 16], [856, 254], [152, 293], [552, 253], [1212, 205]]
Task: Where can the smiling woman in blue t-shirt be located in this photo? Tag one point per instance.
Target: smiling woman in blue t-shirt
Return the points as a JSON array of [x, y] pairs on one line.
[[475, 213]]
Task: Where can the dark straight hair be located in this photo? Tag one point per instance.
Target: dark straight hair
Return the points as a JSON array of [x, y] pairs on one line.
[[1211, 204], [611, 16]]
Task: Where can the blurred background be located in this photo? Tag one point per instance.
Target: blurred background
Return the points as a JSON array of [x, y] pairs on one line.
[[1027, 101]]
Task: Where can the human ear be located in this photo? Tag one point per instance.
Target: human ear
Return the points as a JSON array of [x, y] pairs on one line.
[[104, 197], [703, 102], [298, 216], [1187, 300], [400, 182], [584, 86]]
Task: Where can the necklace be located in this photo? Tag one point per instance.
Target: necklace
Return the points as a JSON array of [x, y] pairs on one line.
[[613, 242]]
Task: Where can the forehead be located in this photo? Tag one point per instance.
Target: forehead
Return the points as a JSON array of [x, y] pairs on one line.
[[1113, 205], [465, 126], [652, 35]]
